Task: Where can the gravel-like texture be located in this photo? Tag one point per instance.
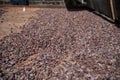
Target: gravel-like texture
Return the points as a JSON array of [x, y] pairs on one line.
[[62, 45]]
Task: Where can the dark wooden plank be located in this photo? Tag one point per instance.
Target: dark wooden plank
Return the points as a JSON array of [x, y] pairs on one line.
[[103, 7]]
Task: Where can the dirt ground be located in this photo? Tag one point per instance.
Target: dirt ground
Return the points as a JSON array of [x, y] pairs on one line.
[[14, 18]]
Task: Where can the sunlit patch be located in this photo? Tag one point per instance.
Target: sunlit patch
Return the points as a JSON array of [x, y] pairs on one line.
[[24, 9]]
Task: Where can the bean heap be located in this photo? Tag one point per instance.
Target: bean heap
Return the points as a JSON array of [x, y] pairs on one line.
[[62, 45]]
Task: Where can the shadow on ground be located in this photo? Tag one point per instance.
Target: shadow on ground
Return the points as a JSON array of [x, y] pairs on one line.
[[2, 12]]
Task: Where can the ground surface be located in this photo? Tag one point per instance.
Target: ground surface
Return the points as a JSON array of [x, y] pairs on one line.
[[62, 45], [13, 19]]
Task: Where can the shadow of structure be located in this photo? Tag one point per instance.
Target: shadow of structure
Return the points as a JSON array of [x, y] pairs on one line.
[[117, 23], [73, 6], [100, 8]]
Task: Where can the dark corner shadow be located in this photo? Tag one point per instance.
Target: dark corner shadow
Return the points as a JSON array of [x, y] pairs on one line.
[[117, 23], [77, 9], [70, 7]]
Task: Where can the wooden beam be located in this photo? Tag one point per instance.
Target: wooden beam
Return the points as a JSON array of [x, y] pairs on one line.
[[112, 9]]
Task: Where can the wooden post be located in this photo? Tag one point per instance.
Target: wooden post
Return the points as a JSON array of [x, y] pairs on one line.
[[112, 9]]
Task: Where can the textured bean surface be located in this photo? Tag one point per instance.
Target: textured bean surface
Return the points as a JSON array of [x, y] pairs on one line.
[[62, 45]]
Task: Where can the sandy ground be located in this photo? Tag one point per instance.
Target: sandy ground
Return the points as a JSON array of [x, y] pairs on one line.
[[14, 19]]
